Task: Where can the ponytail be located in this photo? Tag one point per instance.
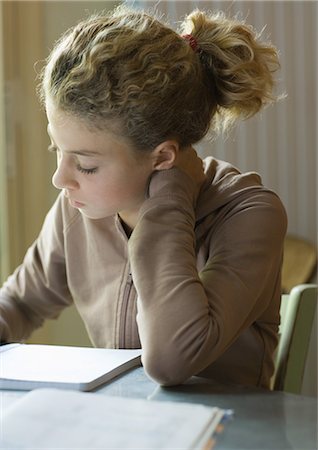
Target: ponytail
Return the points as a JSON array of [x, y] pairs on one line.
[[240, 66]]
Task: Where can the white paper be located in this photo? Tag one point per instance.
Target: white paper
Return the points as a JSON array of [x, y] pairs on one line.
[[28, 366], [49, 418]]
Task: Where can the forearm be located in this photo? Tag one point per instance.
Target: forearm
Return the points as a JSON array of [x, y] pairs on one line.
[[31, 295], [16, 324], [173, 312], [26, 299]]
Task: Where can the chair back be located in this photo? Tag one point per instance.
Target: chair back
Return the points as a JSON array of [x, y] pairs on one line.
[[297, 315], [300, 260]]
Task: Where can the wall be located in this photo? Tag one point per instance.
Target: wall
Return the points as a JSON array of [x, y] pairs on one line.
[[4, 269], [23, 154]]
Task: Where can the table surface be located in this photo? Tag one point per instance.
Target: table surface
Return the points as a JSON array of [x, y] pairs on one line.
[[262, 419]]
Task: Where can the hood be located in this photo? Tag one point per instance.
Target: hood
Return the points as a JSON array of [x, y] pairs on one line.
[[224, 183]]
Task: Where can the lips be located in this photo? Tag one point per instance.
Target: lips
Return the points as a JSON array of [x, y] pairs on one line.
[[75, 203]]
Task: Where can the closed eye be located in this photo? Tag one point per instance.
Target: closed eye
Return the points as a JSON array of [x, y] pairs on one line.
[[86, 171], [92, 170]]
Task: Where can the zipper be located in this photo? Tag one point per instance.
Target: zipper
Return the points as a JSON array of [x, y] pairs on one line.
[[124, 311]]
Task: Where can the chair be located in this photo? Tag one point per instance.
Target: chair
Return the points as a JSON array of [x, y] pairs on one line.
[[297, 315], [300, 259]]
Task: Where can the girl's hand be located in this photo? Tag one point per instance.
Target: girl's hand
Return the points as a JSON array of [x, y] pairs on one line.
[[189, 162], [190, 166]]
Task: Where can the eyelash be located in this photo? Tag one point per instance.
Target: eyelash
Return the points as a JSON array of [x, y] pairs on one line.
[[81, 169], [86, 171]]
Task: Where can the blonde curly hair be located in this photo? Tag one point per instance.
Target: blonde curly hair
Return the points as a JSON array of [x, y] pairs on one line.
[[129, 72]]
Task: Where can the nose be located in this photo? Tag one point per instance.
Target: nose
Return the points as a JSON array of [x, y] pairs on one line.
[[63, 177]]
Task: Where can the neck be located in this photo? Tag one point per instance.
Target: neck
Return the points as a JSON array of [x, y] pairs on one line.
[[128, 221]]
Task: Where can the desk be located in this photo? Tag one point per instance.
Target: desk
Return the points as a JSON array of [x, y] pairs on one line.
[[263, 420]]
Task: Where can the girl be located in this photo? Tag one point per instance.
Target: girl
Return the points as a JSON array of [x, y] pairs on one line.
[[156, 247]]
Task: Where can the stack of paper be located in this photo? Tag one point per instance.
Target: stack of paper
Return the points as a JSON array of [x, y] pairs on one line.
[[56, 419]]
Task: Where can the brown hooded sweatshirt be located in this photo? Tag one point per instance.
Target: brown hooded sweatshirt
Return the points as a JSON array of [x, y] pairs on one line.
[[197, 285]]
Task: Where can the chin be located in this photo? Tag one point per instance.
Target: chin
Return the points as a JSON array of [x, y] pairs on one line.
[[96, 215]]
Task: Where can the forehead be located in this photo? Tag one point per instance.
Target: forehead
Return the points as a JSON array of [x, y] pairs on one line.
[[73, 135], [68, 131]]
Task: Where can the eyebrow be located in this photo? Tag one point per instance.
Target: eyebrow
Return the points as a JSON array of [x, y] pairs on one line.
[[88, 153], [82, 152]]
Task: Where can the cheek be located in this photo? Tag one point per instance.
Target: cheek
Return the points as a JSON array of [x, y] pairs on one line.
[[126, 182], [133, 177], [140, 180], [117, 188], [132, 186]]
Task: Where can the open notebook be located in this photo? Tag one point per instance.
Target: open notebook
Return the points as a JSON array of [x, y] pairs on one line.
[[30, 366], [56, 419]]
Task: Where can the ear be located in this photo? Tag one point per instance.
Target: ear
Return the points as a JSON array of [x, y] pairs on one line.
[[165, 154]]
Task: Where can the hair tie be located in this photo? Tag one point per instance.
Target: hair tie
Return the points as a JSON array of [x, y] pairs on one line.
[[192, 41]]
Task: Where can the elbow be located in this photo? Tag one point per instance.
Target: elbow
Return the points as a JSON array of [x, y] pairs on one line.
[[164, 369]]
